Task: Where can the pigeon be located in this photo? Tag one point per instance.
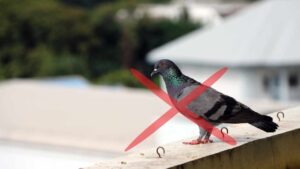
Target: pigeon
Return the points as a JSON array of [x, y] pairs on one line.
[[212, 105]]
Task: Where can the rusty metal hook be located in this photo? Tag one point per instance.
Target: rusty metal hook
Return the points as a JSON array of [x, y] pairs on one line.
[[278, 115], [227, 131], [163, 149]]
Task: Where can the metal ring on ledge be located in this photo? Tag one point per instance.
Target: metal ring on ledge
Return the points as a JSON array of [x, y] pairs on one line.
[[163, 149], [227, 131], [278, 115]]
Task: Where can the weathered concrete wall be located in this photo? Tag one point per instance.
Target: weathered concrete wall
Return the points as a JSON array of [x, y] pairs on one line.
[[255, 149], [277, 152]]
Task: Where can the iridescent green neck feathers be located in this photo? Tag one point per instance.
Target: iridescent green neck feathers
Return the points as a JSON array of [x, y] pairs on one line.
[[173, 78]]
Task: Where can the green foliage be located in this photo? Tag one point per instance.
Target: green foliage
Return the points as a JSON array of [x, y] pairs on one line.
[[119, 77], [40, 35], [42, 60], [122, 77], [93, 3], [50, 38], [153, 33]]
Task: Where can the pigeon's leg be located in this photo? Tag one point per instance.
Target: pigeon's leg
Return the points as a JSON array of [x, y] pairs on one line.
[[208, 133], [202, 133], [206, 138]]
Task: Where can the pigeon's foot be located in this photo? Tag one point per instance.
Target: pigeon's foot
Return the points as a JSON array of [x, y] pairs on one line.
[[193, 142], [206, 141]]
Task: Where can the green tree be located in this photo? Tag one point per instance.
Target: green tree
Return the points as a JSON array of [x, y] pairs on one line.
[[51, 38]]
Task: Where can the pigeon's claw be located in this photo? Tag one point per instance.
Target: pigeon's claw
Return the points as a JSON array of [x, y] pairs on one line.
[[196, 142], [193, 142], [206, 141]]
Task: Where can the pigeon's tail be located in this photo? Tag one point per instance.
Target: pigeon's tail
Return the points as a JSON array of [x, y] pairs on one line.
[[266, 124]]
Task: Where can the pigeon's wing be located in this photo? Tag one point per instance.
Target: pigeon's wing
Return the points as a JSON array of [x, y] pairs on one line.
[[239, 113], [217, 107], [206, 103]]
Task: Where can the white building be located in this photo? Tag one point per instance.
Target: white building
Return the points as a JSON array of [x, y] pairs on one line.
[[260, 45], [198, 13], [207, 12]]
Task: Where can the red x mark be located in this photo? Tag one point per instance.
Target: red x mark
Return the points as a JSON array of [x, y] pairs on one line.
[[182, 106]]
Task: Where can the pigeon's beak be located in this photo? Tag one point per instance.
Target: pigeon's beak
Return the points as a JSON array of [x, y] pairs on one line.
[[154, 72]]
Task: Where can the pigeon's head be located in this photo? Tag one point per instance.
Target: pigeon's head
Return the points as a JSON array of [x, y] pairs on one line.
[[163, 66]]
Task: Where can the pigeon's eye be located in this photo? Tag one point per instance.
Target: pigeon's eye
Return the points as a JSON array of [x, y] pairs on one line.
[[162, 64]]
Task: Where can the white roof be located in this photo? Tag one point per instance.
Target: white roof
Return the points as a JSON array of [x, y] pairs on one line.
[[265, 34]]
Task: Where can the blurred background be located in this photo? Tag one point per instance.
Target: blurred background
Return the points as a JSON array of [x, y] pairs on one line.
[[68, 99]]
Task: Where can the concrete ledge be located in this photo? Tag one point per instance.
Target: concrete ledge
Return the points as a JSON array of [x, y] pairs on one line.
[[254, 150], [278, 152]]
